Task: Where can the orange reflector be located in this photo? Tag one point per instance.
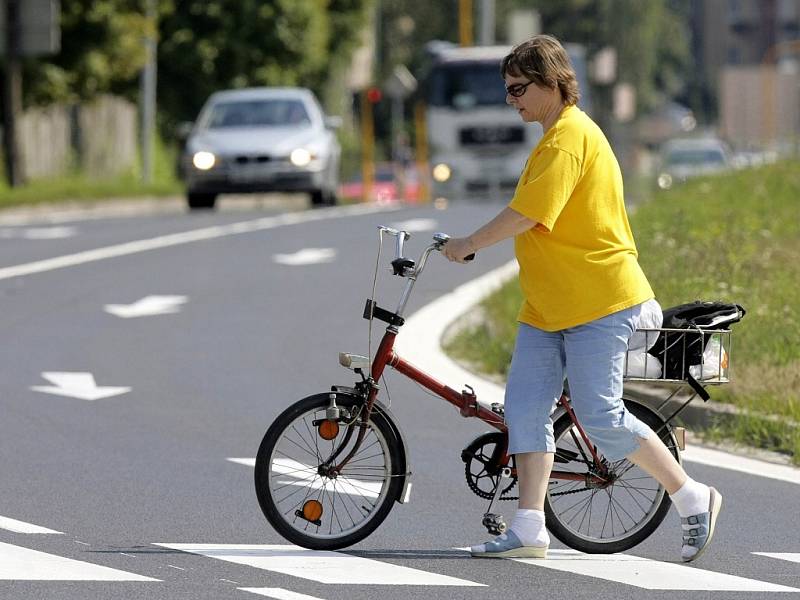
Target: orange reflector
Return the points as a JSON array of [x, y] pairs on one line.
[[312, 510], [328, 430]]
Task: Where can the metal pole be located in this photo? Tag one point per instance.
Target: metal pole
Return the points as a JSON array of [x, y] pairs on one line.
[[465, 22], [367, 148], [487, 22], [148, 92], [12, 93]]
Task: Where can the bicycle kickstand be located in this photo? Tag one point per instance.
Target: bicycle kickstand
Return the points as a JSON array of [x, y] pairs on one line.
[[494, 523]]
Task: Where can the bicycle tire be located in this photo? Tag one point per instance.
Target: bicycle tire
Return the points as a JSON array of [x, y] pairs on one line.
[[569, 505], [364, 492]]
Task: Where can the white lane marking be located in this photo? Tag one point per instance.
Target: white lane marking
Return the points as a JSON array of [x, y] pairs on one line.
[[38, 233], [307, 256], [77, 385], [742, 464], [279, 594], [147, 307], [18, 563], [324, 567], [415, 225], [790, 556], [23, 527], [306, 476], [186, 237], [649, 574]]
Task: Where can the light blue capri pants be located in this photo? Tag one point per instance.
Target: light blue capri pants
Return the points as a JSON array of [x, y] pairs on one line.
[[592, 357]]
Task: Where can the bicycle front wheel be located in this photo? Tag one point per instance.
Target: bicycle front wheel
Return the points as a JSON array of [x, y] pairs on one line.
[[317, 511], [613, 517]]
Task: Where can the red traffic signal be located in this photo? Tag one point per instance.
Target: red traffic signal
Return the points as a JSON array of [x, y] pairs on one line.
[[374, 95]]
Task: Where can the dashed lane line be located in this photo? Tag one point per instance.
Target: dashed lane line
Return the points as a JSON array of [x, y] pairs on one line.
[[186, 237], [23, 527]]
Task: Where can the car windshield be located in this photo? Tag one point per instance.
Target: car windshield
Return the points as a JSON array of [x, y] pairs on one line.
[[258, 113], [695, 157]]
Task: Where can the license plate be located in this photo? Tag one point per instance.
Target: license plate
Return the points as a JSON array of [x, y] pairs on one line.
[[248, 175]]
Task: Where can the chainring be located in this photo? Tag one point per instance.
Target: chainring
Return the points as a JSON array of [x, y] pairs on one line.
[[482, 465]]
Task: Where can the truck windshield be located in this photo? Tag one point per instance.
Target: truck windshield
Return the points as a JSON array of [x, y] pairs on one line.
[[465, 85]]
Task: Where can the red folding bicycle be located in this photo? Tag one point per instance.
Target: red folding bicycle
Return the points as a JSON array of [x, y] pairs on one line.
[[332, 465]]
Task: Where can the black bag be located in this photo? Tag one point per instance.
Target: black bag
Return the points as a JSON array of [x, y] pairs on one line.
[[678, 350]]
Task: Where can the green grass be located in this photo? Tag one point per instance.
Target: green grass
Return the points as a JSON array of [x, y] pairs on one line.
[[78, 187], [734, 238]]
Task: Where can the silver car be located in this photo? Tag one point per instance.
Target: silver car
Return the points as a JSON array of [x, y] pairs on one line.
[[682, 159], [261, 140]]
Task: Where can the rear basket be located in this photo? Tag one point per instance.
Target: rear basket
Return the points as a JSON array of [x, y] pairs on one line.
[[677, 354]]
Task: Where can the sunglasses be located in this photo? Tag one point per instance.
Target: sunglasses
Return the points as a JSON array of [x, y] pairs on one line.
[[518, 89]]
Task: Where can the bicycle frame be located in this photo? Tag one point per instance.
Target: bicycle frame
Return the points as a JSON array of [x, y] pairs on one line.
[[465, 401]]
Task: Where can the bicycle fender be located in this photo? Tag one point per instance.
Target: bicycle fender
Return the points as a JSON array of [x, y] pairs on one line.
[[405, 468], [405, 490]]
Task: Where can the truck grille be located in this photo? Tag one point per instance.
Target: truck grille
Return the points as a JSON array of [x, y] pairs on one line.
[[478, 136]]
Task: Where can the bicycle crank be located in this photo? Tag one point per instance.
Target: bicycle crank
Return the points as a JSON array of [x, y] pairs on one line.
[[482, 466]]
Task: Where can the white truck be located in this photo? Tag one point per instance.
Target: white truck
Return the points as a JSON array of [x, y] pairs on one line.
[[477, 143]]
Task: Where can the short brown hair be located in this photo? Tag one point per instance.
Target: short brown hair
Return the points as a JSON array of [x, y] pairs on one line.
[[543, 60]]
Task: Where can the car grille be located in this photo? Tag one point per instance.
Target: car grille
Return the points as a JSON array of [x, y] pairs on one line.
[[247, 160]]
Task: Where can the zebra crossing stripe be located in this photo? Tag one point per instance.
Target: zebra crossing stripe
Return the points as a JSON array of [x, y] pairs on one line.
[[320, 566], [279, 594], [23, 564], [23, 527], [790, 556], [649, 574]]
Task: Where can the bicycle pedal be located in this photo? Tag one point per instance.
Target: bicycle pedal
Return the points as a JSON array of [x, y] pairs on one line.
[[494, 523]]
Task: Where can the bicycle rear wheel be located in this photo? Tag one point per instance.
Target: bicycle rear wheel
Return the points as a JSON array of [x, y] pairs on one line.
[[320, 512], [614, 517]]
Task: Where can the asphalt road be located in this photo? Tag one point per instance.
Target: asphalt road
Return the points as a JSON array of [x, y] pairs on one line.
[[257, 305]]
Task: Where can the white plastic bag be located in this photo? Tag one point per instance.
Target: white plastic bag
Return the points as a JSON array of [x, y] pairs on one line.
[[643, 365], [715, 362], [651, 317]]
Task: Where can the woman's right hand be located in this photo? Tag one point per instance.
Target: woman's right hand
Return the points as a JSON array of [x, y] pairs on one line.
[[459, 250]]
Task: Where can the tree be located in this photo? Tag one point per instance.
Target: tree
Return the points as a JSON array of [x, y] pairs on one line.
[[101, 51], [204, 45], [207, 45]]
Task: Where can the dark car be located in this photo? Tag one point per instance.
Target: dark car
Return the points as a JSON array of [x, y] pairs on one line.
[[261, 140]]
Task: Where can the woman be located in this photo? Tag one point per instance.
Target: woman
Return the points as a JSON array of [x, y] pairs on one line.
[[583, 291]]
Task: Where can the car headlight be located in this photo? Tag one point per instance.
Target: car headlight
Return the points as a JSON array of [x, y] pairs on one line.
[[442, 172], [664, 181], [300, 157], [203, 160]]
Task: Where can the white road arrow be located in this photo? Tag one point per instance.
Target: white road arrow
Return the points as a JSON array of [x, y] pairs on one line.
[[307, 256], [147, 307], [77, 385], [415, 225]]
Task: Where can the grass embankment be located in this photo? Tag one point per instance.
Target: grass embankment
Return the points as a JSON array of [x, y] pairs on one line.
[[734, 238], [79, 187]]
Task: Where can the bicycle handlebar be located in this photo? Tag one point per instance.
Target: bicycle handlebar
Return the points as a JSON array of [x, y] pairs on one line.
[[406, 267]]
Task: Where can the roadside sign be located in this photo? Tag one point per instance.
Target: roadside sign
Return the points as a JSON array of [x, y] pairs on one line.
[[40, 27]]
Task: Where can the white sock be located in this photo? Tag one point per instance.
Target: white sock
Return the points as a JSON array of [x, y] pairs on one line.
[[529, 527], [692, 498]]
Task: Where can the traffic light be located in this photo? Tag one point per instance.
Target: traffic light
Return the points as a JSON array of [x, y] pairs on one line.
[[374, 95]]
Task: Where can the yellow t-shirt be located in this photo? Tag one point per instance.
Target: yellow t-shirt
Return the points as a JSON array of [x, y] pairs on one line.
[[580, 262]]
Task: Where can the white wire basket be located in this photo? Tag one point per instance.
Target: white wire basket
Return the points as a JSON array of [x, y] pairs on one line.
[[676, 355]]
